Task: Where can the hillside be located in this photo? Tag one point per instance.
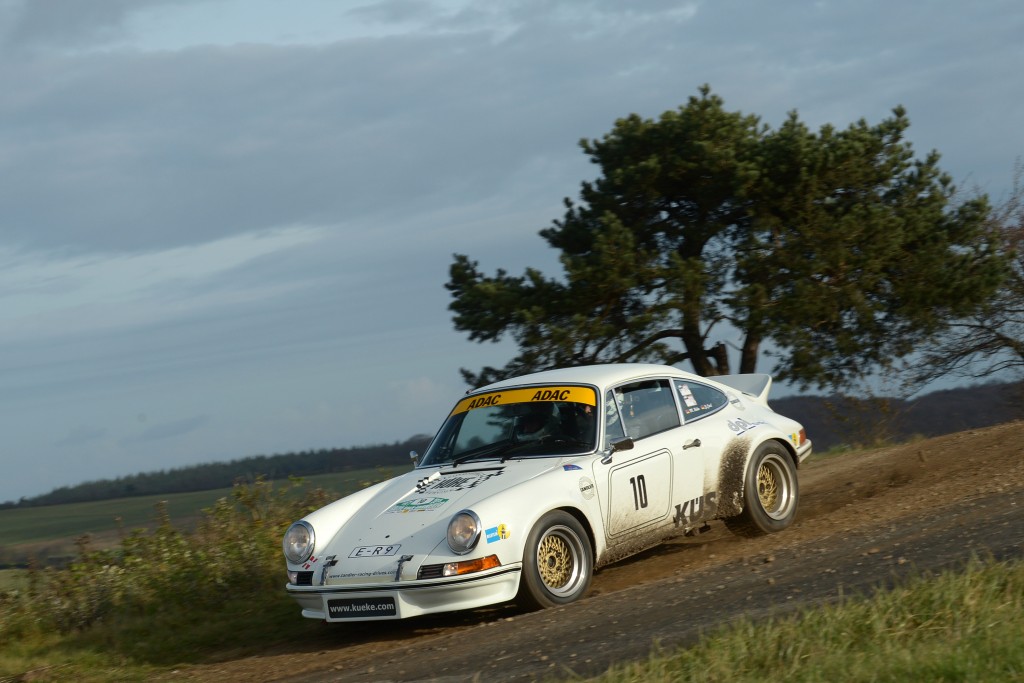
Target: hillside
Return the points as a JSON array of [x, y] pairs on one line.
[[844, 421], [225, 474]]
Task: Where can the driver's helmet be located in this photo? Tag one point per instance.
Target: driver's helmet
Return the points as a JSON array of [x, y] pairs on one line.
[[535, 419]]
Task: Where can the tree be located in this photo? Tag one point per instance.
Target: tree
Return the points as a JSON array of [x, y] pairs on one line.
[[991, 340], [837, 250]]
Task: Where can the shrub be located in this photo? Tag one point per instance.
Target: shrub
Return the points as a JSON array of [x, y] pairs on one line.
[[235, 550]]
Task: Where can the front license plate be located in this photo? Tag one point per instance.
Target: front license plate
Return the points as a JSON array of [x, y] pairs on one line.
[[353, 608]]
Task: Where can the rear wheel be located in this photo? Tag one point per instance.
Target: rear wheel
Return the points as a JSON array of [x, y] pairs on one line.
[[558, 563], [770, 492]]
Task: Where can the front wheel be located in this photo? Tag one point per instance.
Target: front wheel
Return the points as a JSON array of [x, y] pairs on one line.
[[558, 562], [770, 492]]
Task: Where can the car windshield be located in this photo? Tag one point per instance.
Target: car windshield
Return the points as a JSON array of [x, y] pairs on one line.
[[520, 422]]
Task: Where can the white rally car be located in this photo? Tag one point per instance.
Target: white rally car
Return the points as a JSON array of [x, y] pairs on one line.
[[534, 482]]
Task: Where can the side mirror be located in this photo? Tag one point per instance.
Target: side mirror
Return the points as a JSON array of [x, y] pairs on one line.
[[624, 444], [414, 456]]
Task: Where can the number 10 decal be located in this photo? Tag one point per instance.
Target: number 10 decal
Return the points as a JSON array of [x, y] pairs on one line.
[[639, 491], [650, 482]]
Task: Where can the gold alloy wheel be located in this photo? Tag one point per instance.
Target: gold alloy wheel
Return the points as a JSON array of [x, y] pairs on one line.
[[767, 487], [776, 486], [559, 560], [770, 492]]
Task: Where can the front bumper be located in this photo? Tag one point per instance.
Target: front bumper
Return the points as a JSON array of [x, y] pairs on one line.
[[381, 601]]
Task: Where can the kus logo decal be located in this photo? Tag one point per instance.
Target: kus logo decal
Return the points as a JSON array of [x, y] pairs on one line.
[[694, 510]]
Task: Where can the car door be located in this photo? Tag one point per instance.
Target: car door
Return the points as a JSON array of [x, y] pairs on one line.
[[636, 488], [705, 435]]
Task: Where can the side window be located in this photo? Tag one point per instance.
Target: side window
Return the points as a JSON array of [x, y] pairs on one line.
[[698, 400], [612, 421], [647, 407]]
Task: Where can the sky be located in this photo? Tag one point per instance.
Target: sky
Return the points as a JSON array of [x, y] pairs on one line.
[[226, 225]]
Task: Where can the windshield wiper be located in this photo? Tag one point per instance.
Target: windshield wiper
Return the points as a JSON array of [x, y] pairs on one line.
[[491, 449]]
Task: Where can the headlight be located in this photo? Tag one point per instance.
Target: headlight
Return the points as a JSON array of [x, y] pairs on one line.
[[298, 542], [463, 532]]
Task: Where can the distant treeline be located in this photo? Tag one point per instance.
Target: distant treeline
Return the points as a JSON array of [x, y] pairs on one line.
[[224, 474]]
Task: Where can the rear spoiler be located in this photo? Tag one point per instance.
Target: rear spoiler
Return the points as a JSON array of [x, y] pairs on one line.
[[756, 385]]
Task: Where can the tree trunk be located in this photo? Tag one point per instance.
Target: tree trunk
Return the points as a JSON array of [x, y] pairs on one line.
[[748, 354], [720, 352]]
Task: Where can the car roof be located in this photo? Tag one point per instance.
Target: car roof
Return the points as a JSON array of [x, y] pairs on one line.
[[600, 376]]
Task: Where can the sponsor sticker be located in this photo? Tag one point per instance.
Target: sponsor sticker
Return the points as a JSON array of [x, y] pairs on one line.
[[497, 533], [362, 575], [458, 482], [416, 505], [687, 396], [425, 481], [571, 468], [740, 426], [584, 395], [351, 608], [587, 487]]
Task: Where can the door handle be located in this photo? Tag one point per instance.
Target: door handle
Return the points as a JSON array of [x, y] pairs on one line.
[[693, 444]]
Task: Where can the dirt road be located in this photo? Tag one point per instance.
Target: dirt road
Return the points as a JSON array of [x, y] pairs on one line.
[[865, 521]]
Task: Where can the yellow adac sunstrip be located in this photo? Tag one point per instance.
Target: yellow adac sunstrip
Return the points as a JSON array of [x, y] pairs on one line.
[[584, 395]]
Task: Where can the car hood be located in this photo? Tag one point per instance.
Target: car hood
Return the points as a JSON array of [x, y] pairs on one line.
[[409, 516]]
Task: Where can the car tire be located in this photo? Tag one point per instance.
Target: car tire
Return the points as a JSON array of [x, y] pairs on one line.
[[558, 562], [770, 492]]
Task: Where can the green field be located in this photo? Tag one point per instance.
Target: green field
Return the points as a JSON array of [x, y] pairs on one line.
[[13, 579], [51, 531]]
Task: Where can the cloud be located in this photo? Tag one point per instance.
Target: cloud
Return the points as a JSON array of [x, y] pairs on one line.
[[69, 23], [136, 150], [397, 12], [81, 435], [169, 430], [48, 295]]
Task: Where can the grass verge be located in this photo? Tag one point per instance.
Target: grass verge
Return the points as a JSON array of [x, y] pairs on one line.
[[958, 626], [161, 599]]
